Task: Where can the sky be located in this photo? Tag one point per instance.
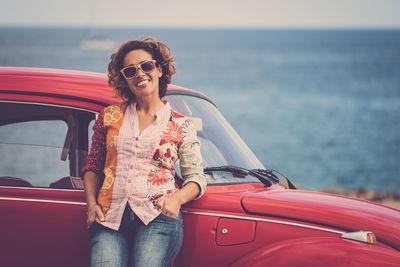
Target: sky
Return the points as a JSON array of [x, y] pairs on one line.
[[204, 13]]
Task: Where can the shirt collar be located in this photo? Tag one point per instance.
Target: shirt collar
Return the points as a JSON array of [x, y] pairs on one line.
[[162, 114]]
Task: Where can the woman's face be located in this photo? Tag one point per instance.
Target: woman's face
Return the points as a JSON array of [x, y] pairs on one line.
[[142, 84]]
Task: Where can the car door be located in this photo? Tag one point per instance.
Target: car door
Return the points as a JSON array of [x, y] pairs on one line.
[[42, 203]]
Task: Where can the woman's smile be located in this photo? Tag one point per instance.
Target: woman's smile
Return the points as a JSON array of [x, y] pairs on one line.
[[142, 82]]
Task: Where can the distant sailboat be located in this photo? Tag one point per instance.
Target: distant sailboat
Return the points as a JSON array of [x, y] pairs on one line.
[[98, 44]]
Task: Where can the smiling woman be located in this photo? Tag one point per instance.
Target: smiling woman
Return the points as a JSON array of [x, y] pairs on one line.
[[135, 216]]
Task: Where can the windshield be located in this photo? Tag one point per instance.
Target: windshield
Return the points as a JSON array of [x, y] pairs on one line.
[[220, 144]]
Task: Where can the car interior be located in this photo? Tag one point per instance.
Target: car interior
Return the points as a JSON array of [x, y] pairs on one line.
[[35, 137]]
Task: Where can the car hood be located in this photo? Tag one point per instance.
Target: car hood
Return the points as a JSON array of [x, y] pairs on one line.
[[330, 210]]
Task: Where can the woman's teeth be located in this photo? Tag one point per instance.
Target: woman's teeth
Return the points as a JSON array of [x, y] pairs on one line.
[[142, 82]]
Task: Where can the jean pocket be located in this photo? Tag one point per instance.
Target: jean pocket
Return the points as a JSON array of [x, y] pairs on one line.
[[166, 217], [93, 228]]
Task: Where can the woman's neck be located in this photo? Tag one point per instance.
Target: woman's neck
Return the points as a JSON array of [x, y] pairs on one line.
[[149, 107]]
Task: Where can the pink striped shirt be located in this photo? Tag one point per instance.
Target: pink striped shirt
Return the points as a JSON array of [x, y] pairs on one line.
[[145, 171]]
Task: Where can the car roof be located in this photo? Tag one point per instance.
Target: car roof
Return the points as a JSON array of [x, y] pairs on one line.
[[67, 84]]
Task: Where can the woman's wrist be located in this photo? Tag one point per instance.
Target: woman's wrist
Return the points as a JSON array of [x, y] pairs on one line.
[[178, 198], [187, 193], [91, 205]]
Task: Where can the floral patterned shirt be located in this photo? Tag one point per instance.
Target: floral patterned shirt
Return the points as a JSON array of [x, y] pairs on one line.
[[139, 168]]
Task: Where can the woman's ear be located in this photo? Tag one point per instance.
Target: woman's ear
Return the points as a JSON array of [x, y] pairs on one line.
[[160, 73]]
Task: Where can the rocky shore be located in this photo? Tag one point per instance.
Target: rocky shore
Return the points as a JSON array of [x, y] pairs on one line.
[[391, 199]]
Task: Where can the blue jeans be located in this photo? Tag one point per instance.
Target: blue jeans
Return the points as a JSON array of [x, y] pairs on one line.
[[136, 244]]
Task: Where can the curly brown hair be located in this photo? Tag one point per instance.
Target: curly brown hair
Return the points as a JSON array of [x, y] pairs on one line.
[[159, 51]]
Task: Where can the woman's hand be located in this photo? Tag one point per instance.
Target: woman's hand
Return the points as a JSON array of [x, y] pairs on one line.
[[93, 212], [170, 206], [91, 190]]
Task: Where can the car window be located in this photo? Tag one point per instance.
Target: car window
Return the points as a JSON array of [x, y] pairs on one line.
[[42, 146], [31, 151]]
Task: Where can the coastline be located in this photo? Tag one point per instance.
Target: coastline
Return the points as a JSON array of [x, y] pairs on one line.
[[387, 198], [390, 199]]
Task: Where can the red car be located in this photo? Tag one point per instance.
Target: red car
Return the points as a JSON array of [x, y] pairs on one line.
[[244, 219]]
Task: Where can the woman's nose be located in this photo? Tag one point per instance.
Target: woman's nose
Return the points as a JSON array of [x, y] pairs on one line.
[[139, 72]]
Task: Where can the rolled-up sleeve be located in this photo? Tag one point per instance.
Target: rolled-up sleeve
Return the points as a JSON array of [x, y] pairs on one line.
[[96, 158], [190, 158]]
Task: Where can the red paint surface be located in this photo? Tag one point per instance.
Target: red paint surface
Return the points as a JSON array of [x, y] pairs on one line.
[[235, 232], [324, 209], [320, 252]]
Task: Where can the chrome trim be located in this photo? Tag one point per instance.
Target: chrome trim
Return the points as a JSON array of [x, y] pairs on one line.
[[42, 188], [361, 236], [46, 104], [43, 200], [264, 220], [192, 212]]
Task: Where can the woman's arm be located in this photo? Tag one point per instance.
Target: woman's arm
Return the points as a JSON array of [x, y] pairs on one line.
[[91, 182], [171, 205], [192, 173], [93, 169], [191, 160]]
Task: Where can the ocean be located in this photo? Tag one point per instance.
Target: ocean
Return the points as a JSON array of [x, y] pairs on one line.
[[320, 106]]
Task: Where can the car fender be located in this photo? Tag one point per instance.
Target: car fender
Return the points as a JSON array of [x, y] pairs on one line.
[[321, 252]]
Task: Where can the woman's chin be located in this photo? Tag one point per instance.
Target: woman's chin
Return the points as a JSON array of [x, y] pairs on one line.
[[145, 92]]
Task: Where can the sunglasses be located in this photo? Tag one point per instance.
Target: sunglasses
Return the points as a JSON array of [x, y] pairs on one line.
[[130, 71]]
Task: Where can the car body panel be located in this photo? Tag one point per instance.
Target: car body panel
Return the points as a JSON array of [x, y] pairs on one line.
[[202, 228], [61, 84], [316, 252], [324, 209], [39, 227]]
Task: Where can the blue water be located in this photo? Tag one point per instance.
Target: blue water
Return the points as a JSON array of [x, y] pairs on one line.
[[321, 106]]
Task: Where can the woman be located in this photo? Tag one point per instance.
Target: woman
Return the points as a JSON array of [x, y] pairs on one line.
[[133, 200]]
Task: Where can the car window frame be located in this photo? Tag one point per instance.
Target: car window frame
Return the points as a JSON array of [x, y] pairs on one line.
[[79, 143]]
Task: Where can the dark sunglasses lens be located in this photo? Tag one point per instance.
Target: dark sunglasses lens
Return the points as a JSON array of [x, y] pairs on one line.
[[147, 66], [130, 72]]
